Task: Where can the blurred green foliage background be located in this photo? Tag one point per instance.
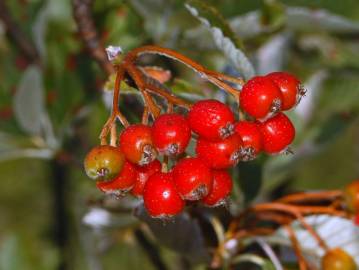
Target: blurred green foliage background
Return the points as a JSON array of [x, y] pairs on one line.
[[52, 109]]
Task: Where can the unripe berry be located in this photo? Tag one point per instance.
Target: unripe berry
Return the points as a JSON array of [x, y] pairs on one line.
[[142, 175], [171, 134], [290, 87], [351, 195], [121, 183], [104, 162], [251, 138], [277, 132], [260, 97], [137, 145], [193, 178], [160, 196], [222, 187], [338, 259], [211, 119], [220, 154]]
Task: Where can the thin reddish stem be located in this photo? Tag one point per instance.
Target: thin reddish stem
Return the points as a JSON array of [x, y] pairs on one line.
[[212, 76], [309, 197], [315, 235], [301, 261], [171, 98], [305, 210], [136, 75]]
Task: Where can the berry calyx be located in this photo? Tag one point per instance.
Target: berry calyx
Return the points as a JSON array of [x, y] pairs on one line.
[[121, 183], [171, 134], [211, 119], [142, 175], [222, 187], [260, 97], [338, 259], [193, 178], [104, 162], [277, 133], [290, 86], [251, 138], [160, 196], [351, 195], [220, 154], [137, 145]]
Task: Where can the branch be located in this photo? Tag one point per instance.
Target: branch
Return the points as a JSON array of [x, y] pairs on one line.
[[17, 35], [87, 30]]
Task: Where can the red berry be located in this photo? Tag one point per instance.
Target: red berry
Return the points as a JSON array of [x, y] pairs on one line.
[[122, 182], [260, 97], [211, 119], [160, 196], [104, 162], [221, 154], [222, 186], [193, 178], [337, 259], [277, 133], [356, 220], [290, 87], [137, 145], [171, 134], [142, 175], [251, 138], [351, 195]]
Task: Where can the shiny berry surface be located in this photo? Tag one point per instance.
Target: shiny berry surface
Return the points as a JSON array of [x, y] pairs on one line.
[[351, 195], [251, 138], [142, 175], [260, 97], [160, 196], [211, 119], [220, 154], [171, 134], [222, 187], [137, 145], [277, 132], [104, 162], [121, 183], [289, 86], [338, 259], [193, 178]]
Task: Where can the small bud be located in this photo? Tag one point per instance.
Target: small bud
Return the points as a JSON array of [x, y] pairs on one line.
[[113, 52]]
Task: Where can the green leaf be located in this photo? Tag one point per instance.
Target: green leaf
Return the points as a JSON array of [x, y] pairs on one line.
[[264, 264], [29, 104], [214, 18], [10, 254], [51, 10], [340, 95], [273, 14], [302, 18], [223, 35]]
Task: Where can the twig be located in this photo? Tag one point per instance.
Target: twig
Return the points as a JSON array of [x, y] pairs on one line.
[[136, 75], [152, 251], [294, 240], [309, 197], [87, 30], [17, 35]]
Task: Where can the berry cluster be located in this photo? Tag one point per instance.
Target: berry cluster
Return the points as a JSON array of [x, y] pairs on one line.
[[134, 166]]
